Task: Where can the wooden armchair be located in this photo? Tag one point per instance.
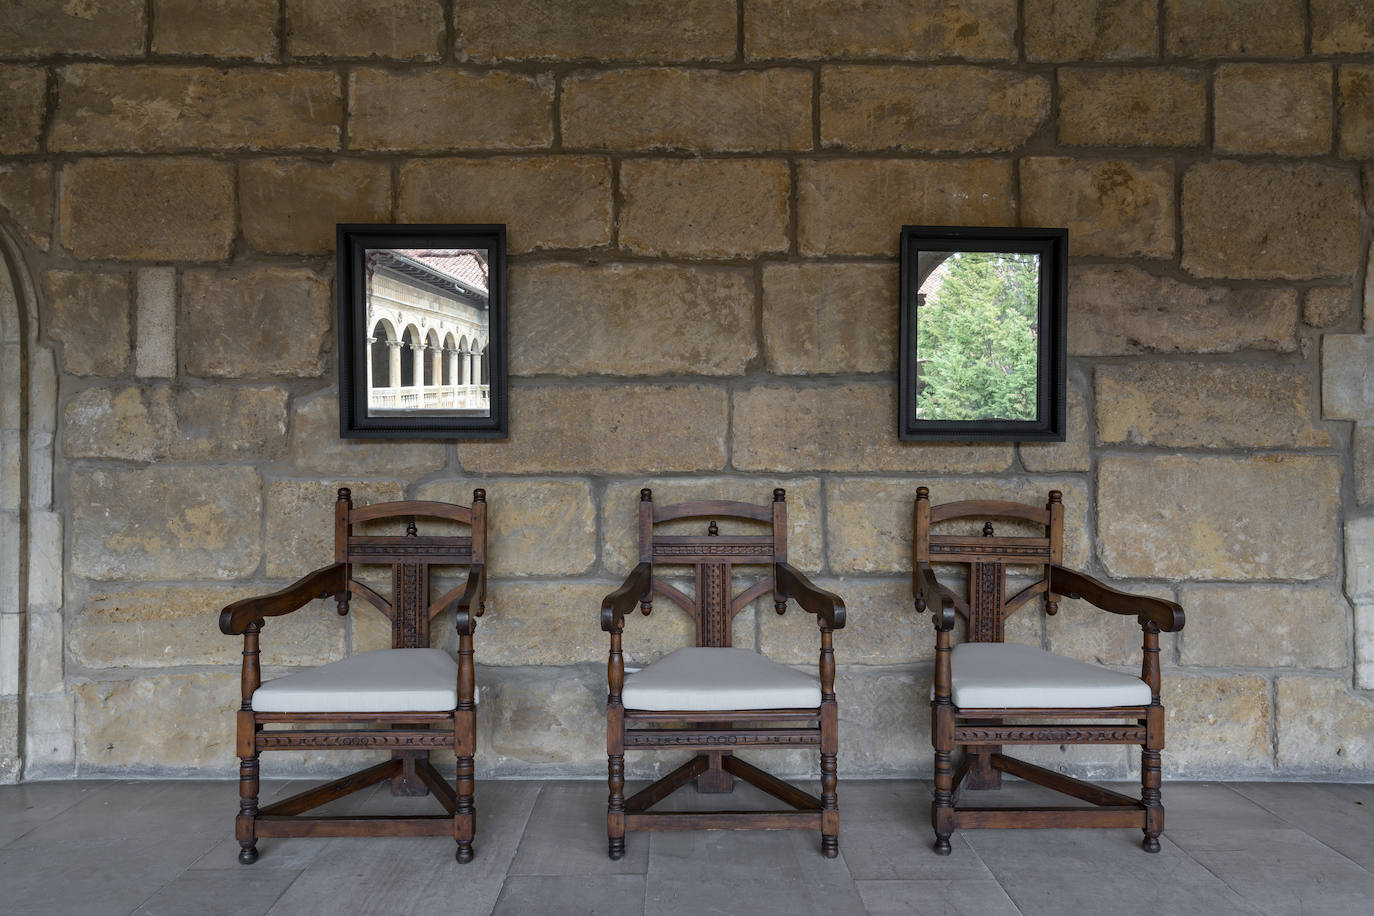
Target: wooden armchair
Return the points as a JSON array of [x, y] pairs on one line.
[[408, 699], [989, 693], [713, 698]]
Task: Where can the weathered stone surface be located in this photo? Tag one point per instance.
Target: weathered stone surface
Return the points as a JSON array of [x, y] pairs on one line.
[[449, 109], [930, 30], [1347, 384], [1069, 30], [1364, 464], [10, 759], [1367, 180], [1324, 306], [1111, 207], [216, 28], [1341, 26], [49, 736], [533, 721], [631, 319], [153, 722], [316, 446], [88, 312], [1115, 310], [148, 209], [192, 424], [23, 99], [104, 108], [290, 206], [624, 429], [829, 318], [534, 527], [106, 28], [620, 511], [930, 109], [1073, 454], [1359, 559], [600, 30], [1186, 517], [26, 198], [545, 202], [1084, 632], [43, 651], [255, 322], [1323, 727], [1356, 111], [1251, 220], [1207, 406], [400, 29], [885, 718], [1369, 291], [844, 206], [154, 626], [1364, 646], [882, 627], [664, 108], [844, 428], [1273, 108], [166, 523], [300, 522], [1146, 106], [155, 297], [711, 208], [1237, 28], [1264, 626], [870, 527], [1216, 726]]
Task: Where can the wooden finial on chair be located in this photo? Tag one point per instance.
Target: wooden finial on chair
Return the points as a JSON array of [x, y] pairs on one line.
[[646, 495], [411, 530], [923, 492], [1055, 497], [479, 495], [713, 530], [345, 495], [987, 529], [779, 495]]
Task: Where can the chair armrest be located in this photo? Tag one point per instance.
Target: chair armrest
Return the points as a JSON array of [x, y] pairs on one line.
[[329, 580], [827, 606], [625, 599], [467, 599], [1166, 615], [930, 596]]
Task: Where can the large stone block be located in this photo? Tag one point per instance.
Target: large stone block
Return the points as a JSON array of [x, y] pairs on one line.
[[926, 30], [10, 758], [1080, 630], [885, 721], [1216, 726], [216, 28], [1356, 111], [317, 446], [156, 626], [155, 348], [88, 312], [23, 100], [255, 322], [1341, 27], [845, 206], [443, 109], [105, 108], [1115, 310], [1237, 28], [49, 736], [1146, 106], [1098, 30], [881, 627], [829, 318], [1111, 207], [103, 28], [1273, 108], [26, 190], [151, 723], [1323, 728], [1189, 517], [662, 108], [704, 208], [543, 722], [620, 510], [930, 109], [631, 319], [534, 527], [291, 206], [300, 523], [399, 29], [190, 424], [545, 201], [621, 429], [1324, 306], [870, 527], [1363, 447], [1364, 646], [1264, 626], [595, 30], [1074, 453], [166, 523], [1209, 406], [1359, 559], [1257, 220], [1347, 384], [848, 427]]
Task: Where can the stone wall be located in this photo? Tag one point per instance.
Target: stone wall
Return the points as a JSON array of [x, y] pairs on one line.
[[703, 201]]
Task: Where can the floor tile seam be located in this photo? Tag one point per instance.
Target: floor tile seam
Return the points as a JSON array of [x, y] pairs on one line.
[[1298, 827], [1241, 898], [989, 880], [109, 784]]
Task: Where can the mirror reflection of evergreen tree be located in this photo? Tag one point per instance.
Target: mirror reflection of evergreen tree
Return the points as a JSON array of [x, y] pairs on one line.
[[977, 338]]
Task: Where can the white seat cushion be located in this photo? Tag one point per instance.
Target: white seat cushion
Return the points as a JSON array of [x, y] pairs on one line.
[[388, 680], [709, 678], [989, 675]]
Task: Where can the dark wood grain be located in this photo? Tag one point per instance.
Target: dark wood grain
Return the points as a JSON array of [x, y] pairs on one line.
[[1166, 615], [321, 583]]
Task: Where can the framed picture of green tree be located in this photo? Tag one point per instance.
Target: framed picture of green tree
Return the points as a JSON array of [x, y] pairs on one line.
[[983, 349]]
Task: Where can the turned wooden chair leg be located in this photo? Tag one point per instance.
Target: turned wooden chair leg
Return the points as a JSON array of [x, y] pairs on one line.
[[830, 809], [245, 823], [615, 808], [465, 814], [942, 805]]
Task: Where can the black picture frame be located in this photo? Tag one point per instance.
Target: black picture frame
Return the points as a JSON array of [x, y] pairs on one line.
[[1051, 369], [457, 380]]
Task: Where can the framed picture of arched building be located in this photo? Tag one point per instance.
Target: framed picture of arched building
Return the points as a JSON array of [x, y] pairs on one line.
[[422, 331]]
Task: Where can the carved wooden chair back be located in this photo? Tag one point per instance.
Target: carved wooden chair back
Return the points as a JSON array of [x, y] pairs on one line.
[[988, 554]]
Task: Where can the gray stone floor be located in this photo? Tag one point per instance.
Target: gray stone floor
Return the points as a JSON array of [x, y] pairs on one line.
[[96, 847]]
